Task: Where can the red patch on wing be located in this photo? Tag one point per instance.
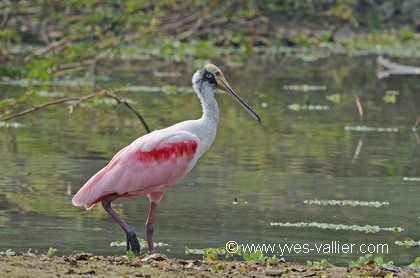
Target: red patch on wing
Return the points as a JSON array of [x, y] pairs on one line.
[[165, 152]]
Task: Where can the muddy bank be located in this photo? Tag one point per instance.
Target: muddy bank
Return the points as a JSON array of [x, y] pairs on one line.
[[159, 265]]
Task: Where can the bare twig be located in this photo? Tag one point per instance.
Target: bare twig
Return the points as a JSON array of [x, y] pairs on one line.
[[358, 149], [414, 128], [58, 101], [68, 66], [78, 100], [359, 106], [48, 48], [417, 122], [129, 106]]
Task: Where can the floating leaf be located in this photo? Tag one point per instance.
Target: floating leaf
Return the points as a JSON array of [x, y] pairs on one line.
[[304, 107], [390, 98], [334, 98], [352, 203], [408, 242], [305, 87], [143, 243], [11, 124], [411, 179], [370, 129], [219, 251], [366, 228]]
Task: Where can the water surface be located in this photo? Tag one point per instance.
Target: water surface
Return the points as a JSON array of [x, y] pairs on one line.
[[271, 168]]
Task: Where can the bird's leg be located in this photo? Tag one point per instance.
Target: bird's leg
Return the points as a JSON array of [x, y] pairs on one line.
[[132, 240], [149, 226]]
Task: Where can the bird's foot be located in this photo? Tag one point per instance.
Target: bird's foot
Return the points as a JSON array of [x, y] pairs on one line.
[[133, 242]]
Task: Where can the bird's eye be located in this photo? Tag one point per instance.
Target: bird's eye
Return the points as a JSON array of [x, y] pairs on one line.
[[208, 75]]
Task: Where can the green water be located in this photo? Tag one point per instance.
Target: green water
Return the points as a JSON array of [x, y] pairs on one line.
[[271, 168]]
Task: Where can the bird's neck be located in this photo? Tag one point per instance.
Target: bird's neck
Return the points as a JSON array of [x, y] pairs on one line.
[[209, 105], [210, 111]]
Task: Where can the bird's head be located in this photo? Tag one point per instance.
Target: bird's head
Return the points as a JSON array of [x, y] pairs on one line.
[[213, 76]]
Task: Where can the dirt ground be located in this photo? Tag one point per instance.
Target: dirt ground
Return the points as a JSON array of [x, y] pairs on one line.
[[158, 265]]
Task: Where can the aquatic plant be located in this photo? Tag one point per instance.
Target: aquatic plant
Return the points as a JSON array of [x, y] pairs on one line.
[[305, 87], [310, 107], [370, 129], [415, 264], [219, 251], [130, 254], [323, 264], [369, 259], [143, 243], [334, 98], [411, 179], [366, 228], [352, 203], [8, 253], [407, 242], [11, 124], [390, 96], [212, 254], [255, 257], [51, 252]]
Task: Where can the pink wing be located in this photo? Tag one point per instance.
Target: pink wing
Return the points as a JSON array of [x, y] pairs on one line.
[[150, 164]]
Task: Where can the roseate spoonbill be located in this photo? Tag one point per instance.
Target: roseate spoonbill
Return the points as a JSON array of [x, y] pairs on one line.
[[155, 161]]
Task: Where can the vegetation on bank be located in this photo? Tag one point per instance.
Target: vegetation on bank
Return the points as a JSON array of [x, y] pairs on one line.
[[46, 39]]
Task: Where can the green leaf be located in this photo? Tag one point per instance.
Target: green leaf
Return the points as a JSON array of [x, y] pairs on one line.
[[130, 255], [51, 252], [416, 263], [9, 253]]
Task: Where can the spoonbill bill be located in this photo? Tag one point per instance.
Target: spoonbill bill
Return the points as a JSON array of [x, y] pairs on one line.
[[155, 161]]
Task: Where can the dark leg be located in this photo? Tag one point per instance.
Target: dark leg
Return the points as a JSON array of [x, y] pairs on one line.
[[132, 241], [149, 226]]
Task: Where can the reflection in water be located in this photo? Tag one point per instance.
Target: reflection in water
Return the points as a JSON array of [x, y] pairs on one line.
[[271, 169]]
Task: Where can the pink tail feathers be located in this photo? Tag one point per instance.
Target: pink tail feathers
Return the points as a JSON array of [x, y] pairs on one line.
[[87, 195]]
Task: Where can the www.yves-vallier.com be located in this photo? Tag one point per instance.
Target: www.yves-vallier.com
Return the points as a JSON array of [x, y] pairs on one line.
[[333, 247]]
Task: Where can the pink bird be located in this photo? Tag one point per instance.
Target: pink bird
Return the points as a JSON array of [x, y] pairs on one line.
[[155, 161]]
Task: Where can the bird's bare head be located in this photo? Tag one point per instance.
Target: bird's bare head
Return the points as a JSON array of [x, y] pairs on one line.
[[215, 75]]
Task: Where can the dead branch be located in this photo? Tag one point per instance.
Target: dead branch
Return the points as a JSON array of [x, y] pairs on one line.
[[395, 69], [48, 48], [129, 106], [79, 100], [38, 107], [68, 66], [358, 150], [359, 106], [417, 122]]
